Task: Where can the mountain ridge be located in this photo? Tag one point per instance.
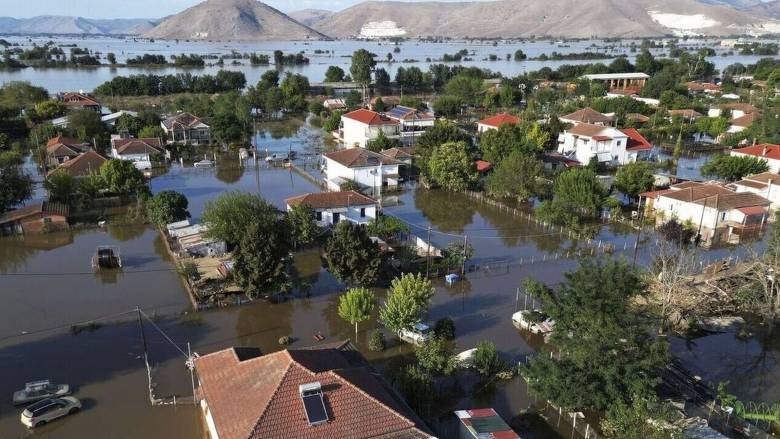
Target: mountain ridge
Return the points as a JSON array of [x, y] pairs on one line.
[[60, 24]]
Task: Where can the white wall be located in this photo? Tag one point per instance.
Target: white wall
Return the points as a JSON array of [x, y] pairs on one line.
[[585, 148], [362, 176]]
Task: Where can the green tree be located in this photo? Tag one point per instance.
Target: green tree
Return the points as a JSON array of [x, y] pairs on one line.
[[515, 177], [415, 286], [122, 177], [228, 216], [355, 306], [382, 142], [456, 254], [441, 132], [447, 106], [15, 185], [435, 356], [632, 420], [332, 122], [260, 256], [151, 132], [386, 227], [612, 357], [91, 185], [417, 388], [303, 225], [351, 255], [465, 87], [166, 207], [48, 110], [733, 168], [452, 167], [111, 58], [294, 88], [499, 144], [520, 55], [400, 311], [486, 359], [634, 178], [86, 125], [578, 193], [334, 74], [61, 186]]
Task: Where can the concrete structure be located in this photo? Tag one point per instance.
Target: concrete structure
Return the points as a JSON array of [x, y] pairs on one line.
[[327, 391], [361, 126], [719, 214], [142, 152], [766, 184], [186, 128], [370, 170], [60, 149], [332, 207], [588, 115], [494, 122], [39, 217], [766, 151], [608, 145], [629, 82]]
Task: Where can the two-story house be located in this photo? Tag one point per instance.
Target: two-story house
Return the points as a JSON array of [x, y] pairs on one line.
[[608, 145], [186, 128], [142, 152], [370, 170], [60, 149], [588, 115], [766, 184], [361, 126], [80, 101]]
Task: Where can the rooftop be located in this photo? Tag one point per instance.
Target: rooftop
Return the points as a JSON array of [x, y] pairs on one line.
[[137, 146], [766, 150], [500, 119], [588, 115], [46, 207], [259, 396], [608, 76], [636, 141], [485, 423], [325, 200], [369, 117], [360, 158], [81, 165], [183, 120]]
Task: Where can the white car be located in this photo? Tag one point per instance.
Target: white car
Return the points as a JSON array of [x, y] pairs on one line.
[[48, 410], [38, 390], [534, 321], [417, 334]]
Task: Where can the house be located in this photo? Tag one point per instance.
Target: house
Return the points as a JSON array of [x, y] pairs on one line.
[[193, 240], [703, 87], [332, 207], [412, 122], [637, 118], [61, 149], [327, 391], [737, 110], [142, 152], [110, 119], [80, 101], [402, 154], [554, 161], [83, 165], [186, 128], [687, 114], [609, 145], [334, 104], [494, 122], [766, 151], [44, 216], [483, 424], [742, 123], [588, 115], [719, 214], [361, 126], [766, 184], [627, 82], [366, 168]]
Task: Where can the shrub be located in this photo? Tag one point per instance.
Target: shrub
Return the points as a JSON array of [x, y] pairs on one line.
[[285, 340], [377, 341], [486, 359], [445, 328]]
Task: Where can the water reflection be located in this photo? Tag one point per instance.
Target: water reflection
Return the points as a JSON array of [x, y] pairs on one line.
[[447, 211]]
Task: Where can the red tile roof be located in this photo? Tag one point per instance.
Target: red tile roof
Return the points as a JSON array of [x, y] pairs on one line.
[[369, 117], [753, 210], [483, 165], [326, 200], [360, 157], [586, 130], [73, 99], [65, 145], [685, 113], [765, 150], [259, 396], [636, 141], [81, 165], [745, 120], [46, 207], [589, 115], [137, 146], [500, 119], [601, 138]]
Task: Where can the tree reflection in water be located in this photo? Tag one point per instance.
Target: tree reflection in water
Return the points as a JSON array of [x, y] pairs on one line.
[[447, 211]]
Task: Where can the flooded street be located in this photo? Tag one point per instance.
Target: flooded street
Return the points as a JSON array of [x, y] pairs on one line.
[[48, 285]]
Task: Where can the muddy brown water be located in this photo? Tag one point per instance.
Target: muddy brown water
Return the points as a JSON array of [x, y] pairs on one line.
[[47, 282]]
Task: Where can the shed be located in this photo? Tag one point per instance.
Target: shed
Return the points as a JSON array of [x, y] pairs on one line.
[[40, 217]]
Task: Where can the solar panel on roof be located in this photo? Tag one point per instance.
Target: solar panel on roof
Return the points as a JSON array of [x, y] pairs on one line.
[[315, 409]]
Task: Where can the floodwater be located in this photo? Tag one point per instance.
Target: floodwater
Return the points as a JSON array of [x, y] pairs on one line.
[[331, 53], [48, 285]]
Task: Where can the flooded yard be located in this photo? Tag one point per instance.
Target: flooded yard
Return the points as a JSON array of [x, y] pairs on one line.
[[47, 284]]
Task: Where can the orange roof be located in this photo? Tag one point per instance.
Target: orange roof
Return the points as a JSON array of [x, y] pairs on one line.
[[745, 120], [257, 396], [325, 200], [483, 165], [360, 158], [765, 150], [500, 119], [636, 141], [589, 115], [137, 146], [82, 165], [70, 145], [73, 99], [44, 207], [753, 210], [369, 117]]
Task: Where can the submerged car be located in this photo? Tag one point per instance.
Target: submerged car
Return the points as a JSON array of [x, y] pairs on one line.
[[417, 334], [48, 410], [38, 390], [534, 321]]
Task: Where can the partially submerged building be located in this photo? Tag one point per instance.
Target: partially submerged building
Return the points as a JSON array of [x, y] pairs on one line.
[[83, 165], [584, 142], [370, 170], [60, 149], [142, 152], [44, 216], [330, 208], [483, 424], [187, 128]]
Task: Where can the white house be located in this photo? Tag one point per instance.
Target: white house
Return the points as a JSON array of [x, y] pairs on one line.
[[609, 145], [366, 168], [494, 122], [332, 207], [631, 81], [765, 184], [412, 122], [186, 128], [719, 214], [360, 126], [142, 152], [588, 115], [766, 151]]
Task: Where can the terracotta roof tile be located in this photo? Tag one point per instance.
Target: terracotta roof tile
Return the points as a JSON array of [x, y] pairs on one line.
[[137, 146], [587, 130], [500, 119], [636, 141], [325, 200], [74, 99], [360, 157], [47, 207], [81, 165], [369, 117], [589, 115], [765, 150]]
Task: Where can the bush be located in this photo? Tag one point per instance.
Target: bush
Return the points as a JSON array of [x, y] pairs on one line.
[[486, 359], [377, 341], [190, 269], [445, 328], [285, 340]]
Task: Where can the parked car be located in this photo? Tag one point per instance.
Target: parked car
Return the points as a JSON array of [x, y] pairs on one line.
[[48, 410], [280, 157], [533, 320], [38, 390], [417, 334]]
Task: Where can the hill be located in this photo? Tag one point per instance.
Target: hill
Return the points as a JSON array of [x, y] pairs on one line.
[[556, 18], [57, 24], [246, 20], [310, 17], [767, 9]]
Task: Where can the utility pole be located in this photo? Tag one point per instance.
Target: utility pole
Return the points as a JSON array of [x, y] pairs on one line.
[[141, 326], [428, 255], [191, 367], [465, 244], [639, 231]]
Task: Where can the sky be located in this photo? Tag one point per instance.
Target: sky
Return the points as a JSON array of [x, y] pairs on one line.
[[140, 8]]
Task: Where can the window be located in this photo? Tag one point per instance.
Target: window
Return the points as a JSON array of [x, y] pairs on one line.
[[619, 142], [336, 217], [362, 212], [723, 216], [318, 215]]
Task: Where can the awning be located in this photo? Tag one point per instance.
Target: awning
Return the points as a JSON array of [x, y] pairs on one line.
[[753, 210]]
